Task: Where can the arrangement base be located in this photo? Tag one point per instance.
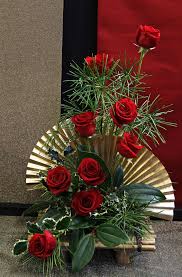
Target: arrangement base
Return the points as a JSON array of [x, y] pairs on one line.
[[124, 252], [123, 257]]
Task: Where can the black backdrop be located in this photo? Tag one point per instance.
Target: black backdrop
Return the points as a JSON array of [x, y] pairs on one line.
[[79, 35]]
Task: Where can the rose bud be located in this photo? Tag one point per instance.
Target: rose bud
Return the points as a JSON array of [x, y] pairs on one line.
[[91, 172], [89, 61], [85, 202], [58, 180], [128, 146], [100, 61], [124, 111], [147, 36], [42, 245], [84, 123]]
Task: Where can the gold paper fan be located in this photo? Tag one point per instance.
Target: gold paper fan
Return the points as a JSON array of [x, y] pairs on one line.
[[146, 168]]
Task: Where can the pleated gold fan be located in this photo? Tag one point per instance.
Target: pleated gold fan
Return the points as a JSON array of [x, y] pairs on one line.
[[146, 168]]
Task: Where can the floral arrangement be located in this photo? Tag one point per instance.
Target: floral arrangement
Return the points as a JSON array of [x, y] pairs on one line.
[[84, 198]]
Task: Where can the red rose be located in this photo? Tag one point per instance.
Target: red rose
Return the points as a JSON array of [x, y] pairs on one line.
[[84, 202], [147, 37], [89, 60], [91, 172], [42, 245], [128, 146], [100, 61], [124, 111], [58, 180], [84, 123]]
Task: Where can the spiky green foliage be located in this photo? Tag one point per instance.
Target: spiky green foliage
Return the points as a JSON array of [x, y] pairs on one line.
[[150, 122], [99, 91], [127, 214]]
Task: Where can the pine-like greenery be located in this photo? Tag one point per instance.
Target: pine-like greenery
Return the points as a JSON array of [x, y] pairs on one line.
[[91, 90]]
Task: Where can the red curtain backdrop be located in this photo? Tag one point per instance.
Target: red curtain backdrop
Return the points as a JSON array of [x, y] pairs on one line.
[[117, 24]]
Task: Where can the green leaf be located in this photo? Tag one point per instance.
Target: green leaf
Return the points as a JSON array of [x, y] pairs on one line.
[[82, 148], [33, 228], [49, 223], [144, 194], [110, 235], [75, 182], [52, 212], [74, 239], [63, 223], [83, 253], [20, 247], [80, 222], [84, 154], [118, 177], [38, 206]]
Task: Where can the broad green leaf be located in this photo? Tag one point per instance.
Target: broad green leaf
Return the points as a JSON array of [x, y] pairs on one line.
[[49, 223], [85, 148], [82, 148], [74, 239], [75, 182], [110, 235], [83, 154], [38, 206], [33, 228], [63, 223], [80, 222], [118, 177], [20, 247], [52, 212], [83, 253], [144, 194]]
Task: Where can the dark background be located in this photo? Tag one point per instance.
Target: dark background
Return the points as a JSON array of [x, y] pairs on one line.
[[79, 35]]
